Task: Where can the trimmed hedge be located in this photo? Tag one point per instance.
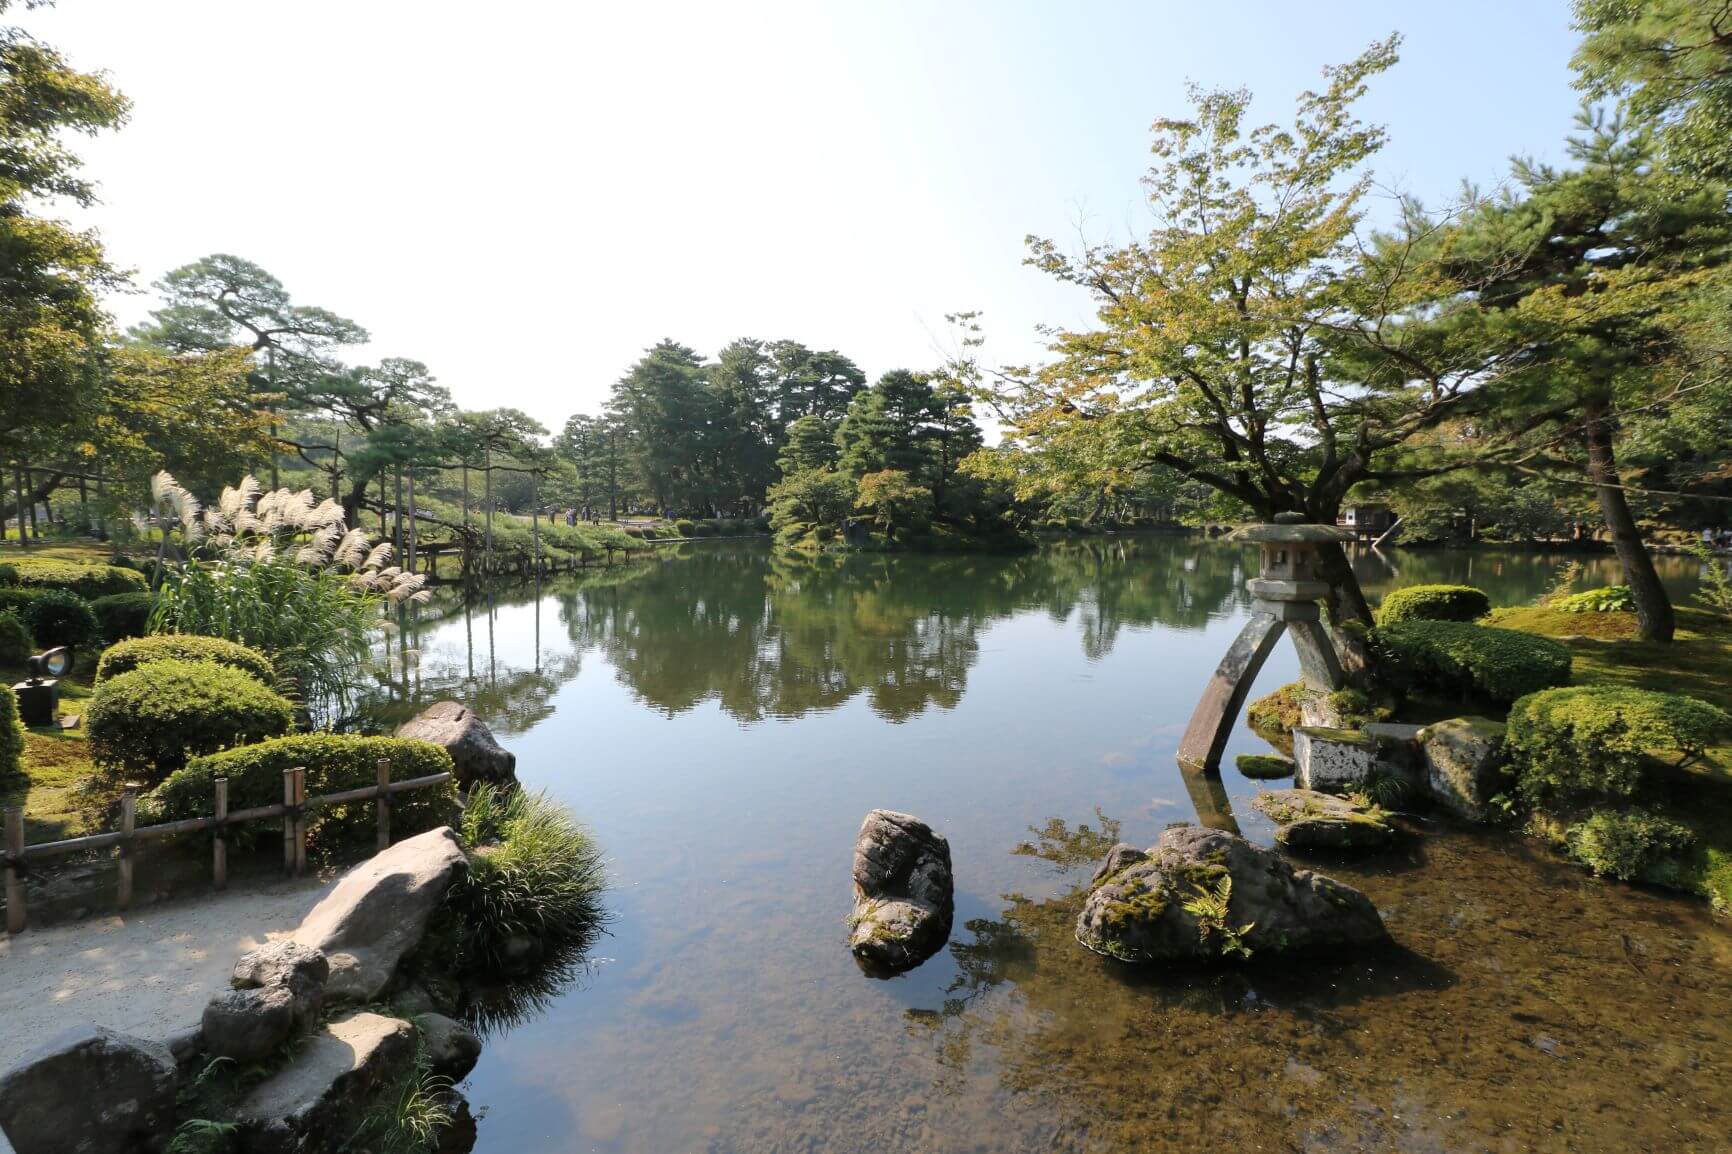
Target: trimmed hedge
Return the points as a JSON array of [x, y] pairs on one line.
[[123, 615], [1433, 603], [1588, 741], [334, 762], [88, 581], [125, 656], [1457, 657], [15, 643], [17, 600], [152, 720], [1629, 844], [11, 733], [60, 617]]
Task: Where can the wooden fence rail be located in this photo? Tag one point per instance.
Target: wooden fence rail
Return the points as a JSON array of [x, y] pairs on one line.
[[294, 810]]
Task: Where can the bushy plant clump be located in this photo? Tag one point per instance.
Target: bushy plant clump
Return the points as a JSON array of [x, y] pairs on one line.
[[59, 617], [152, 720], [11, 733], [334, 762], [685, 526], [125, 656], [88, 581], [15, 644], [1458, 657], [1609, 599], [123, 615], [534, 874], [1585, 742], [1434, 603], [1629, 844]]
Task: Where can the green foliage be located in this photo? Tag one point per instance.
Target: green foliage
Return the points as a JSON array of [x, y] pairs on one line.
[[151, 720], [1208, 904], [1627, 844], [812, 500], [1279, 712], [1582, 742], [1433, 603], [534, 873], [202, 1136], [11, 733], [60, 617], [8, 574], [897, 505], [408, 1115], [334, 762], [1609, 599], [88, 581], [1715, 595], [1458, 657], [123, 615], [685, 526], [127, 655], [15, 644]]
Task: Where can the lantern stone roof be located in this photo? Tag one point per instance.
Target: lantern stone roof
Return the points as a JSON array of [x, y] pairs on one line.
[[1292, 534]]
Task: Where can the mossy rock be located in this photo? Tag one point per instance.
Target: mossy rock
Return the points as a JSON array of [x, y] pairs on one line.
[[1265, 766], [1322, 821]]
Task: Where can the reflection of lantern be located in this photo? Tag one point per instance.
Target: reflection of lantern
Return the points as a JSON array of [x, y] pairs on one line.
[[1285, 594], [39, 696]]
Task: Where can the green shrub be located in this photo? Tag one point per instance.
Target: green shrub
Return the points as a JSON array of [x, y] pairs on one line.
[[60, 617], [11, 733], [88, 581], [123, 615], [1610, 599], [1457, 657], [535, 873], [334, 762], [1627, 844], [1433, 603], [684, 526], [703, 529], [8, 574], [1587, 741], [151, 720], [15, 644], [125, 656]]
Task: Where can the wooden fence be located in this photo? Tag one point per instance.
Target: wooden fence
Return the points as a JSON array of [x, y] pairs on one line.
[[293, 811]]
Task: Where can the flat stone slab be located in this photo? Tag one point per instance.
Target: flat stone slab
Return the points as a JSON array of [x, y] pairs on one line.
[[1312, 820], [317, 1095], [1292, 534]]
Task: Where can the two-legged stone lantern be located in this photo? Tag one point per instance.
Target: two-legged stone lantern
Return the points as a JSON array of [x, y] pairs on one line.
[[1286, 593]]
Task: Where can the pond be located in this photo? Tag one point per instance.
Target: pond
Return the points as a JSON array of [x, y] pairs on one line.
[[724, 719]]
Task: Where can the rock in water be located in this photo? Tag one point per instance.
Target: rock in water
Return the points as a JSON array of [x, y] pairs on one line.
[[1138, 913], [452, 1048], [1464, 763], [903, 899], [379, 910], [90, 1091], [1312, 820], [474, 752]]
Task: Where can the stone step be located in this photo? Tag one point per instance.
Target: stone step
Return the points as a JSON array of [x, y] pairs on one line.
[[317, 1098]]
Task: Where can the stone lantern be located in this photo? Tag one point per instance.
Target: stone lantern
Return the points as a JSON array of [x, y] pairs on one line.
[[1285, 595]]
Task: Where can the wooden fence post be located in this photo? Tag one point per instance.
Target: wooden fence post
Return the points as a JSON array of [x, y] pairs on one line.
[[384, 784], [14, 870], [220, 847], [294, 822], [128, 814]]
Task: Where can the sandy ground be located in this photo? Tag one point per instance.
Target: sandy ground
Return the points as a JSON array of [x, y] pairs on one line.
[[148, 972]]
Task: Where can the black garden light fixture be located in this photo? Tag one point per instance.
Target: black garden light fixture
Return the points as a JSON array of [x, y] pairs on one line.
[[39, 694]]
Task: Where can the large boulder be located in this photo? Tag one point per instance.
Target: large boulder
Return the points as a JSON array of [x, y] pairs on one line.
[[903, 892], [277, 992], [313, 1103], [379, 911], [1464, 762], [89, 1091], [474, 752], [1306, 819], [452, 1048], [1165, 905]]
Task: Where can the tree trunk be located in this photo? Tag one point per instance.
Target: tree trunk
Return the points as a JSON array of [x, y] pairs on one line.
[[397, 515], [23, 521], [487, 499], [411, 518], [1653, 607]]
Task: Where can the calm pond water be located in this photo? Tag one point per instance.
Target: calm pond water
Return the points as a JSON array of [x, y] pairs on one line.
[[724, 719]]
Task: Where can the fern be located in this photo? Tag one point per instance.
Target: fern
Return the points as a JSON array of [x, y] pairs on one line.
[[1209, 907]]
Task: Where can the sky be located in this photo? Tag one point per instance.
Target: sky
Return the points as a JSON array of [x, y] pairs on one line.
[[527, 195]]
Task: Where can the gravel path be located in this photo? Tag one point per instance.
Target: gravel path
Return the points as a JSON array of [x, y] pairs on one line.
[[148, 972]]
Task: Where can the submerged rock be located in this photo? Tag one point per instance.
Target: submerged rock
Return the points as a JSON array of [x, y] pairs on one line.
[[379, 911], [313, 1102], [903, 892], [474, 751], [1205, 895], [1464, 762], [1312, 820], [90, 1091], [1264, 766]]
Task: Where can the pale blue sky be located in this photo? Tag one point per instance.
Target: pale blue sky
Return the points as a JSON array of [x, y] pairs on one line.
[[526, 195]]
